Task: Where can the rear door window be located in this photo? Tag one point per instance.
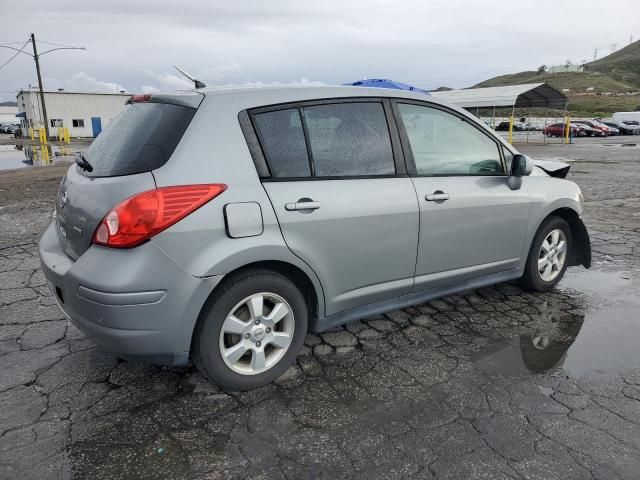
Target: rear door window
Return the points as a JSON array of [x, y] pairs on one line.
[[349, 139], [140, 139], [335, 140]]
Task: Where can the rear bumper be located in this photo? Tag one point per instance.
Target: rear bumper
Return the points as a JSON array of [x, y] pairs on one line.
[[136, 303]]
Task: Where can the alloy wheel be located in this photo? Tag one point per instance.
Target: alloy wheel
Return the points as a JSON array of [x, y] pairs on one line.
[[257, 333], [552, 255]]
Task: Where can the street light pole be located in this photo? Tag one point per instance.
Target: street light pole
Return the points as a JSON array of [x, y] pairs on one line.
[[44, 108], [36, 57]]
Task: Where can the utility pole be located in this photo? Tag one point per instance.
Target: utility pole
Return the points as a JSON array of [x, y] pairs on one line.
[[44, 108], [36, 58]]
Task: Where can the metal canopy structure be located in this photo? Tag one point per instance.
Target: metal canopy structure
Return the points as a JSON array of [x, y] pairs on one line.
[[526, 95]]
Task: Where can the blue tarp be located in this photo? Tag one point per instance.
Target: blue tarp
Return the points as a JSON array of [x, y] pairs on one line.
[[384, 83]]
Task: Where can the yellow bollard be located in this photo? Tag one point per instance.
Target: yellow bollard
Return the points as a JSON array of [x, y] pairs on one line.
[[567, 126], [511, 129], [67, 135], [32, 134]]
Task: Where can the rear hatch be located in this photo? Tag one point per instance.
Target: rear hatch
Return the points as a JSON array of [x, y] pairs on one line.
[[139, 140]]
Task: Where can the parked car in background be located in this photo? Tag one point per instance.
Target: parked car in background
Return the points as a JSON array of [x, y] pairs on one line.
[[316, 206], [612, 130], [623, 128], [596, 125], [504, 127], [558, 130], [4, 127], [587, 131]]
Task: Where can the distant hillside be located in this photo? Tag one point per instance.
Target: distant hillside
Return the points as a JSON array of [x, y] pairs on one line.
[[616, 74], [577, 82], [8, 104], [623, 65]]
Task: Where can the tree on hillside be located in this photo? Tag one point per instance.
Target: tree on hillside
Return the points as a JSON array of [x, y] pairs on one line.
[[542, 69]]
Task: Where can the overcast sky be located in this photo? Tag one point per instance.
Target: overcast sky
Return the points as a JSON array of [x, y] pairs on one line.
[[133, 44]]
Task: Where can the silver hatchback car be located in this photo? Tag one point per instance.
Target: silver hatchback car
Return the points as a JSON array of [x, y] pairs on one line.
[[220, 225]]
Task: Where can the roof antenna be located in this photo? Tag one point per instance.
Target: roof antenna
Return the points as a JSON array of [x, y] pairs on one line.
[[198, 83]]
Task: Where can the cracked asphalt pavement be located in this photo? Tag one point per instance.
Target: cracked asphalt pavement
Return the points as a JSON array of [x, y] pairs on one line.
[[493, 383]]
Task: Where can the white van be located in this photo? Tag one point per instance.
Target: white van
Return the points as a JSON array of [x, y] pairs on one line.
[[626, 116]]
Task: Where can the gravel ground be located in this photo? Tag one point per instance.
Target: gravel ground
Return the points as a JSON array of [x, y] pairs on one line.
[[494, 383]]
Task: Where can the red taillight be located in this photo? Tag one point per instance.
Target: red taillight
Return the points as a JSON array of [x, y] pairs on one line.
[[140, 97], [146, 214]]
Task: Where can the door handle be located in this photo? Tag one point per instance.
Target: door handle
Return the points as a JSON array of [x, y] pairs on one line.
[[438, 196], [302, 205]]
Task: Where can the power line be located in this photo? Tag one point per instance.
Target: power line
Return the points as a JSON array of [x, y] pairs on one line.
[[54, 44], [14, 55]]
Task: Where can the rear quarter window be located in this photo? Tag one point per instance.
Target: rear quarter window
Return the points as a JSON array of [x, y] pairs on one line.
[[283, 143], [140, 139]]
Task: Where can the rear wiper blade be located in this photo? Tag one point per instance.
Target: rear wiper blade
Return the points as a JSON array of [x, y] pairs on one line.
[[83, 163]]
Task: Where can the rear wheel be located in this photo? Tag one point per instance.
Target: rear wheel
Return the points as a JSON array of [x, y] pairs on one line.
[[251, 330], [549, 254]]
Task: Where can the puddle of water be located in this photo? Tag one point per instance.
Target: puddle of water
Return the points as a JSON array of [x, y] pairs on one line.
[[608, 340], [602, 338], [12, 157]]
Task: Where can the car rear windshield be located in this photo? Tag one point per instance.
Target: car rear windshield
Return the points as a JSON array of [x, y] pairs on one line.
[[140, 139]]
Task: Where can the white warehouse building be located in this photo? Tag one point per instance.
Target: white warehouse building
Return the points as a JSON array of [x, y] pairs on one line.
[[8, 114], [84, 114]]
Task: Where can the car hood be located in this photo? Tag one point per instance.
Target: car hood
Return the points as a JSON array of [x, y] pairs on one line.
[[553, 168]]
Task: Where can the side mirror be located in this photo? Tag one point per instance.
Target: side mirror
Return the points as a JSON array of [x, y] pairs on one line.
[[521, 166]]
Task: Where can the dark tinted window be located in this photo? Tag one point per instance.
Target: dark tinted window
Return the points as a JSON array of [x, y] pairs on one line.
[[283, 144], [349, 139], [140, 139]]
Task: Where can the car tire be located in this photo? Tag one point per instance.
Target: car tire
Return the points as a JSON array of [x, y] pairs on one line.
[[214, 335], [546, 266]]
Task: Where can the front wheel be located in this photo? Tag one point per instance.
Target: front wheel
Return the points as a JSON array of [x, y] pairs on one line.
[[548, 256], [251, 330]]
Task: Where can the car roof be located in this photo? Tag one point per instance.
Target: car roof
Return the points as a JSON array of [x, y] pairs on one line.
[[273, 94]]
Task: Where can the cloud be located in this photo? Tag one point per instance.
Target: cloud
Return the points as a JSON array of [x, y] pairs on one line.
[[167, 81], [427, 43], [81, 82], [294, 83]]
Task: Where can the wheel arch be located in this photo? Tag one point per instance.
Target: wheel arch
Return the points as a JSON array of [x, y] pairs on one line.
[[580, 253], [313, 298]]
